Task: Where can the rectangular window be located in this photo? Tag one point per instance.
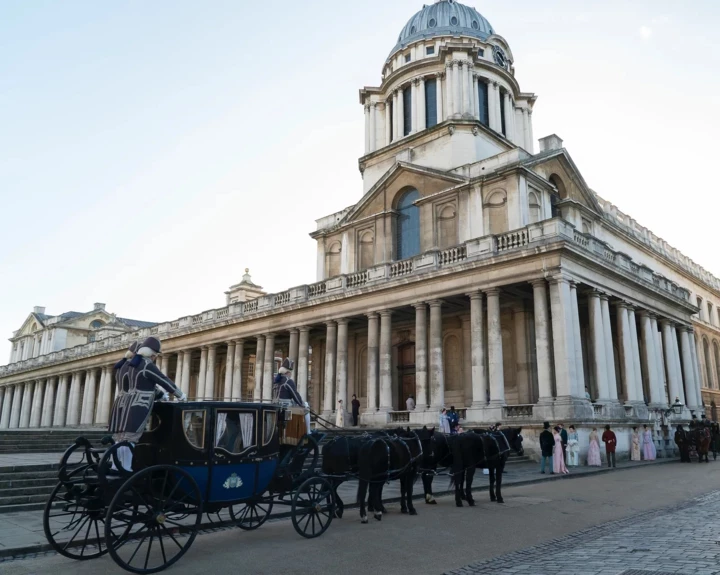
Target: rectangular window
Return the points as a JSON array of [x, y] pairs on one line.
[[481, 53], [502, 112], [407, 103], [429, 50], [407, 58], [430, 103], [484, 111]]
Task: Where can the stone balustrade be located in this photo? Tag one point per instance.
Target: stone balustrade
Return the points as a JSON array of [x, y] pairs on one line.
[[518, 411], [475, 250]]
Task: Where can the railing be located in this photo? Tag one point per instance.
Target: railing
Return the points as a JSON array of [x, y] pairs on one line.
[[221, 313], [452, 255], [282, 298], [357, 279], [581, 239], [512, 240], [196, 319], [399, 417], [316, 290], [598, 409], [402, 268], [250, 306], [518, 411]]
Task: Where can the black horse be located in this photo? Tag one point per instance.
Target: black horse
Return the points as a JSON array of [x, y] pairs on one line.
[[340, 463], [385, 458], [462, 454]]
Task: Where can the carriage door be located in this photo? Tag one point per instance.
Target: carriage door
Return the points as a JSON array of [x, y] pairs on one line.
[[406, 374], [235, 446]]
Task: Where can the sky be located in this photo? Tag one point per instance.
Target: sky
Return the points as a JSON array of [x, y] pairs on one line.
[[151, 151]]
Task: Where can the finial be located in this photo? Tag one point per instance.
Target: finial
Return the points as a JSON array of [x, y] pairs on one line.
[[247, 270]]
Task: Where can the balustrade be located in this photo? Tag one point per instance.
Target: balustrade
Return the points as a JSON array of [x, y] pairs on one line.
[[512, 240], [399, 417], [357, 279], [452, 255], [402, 268], [518, 411], [282, 298]]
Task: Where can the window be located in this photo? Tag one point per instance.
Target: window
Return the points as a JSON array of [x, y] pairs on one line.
[[95, 324], [366, 250], [710, 312], [452, 359], [432, 23], [484, 110], [586, 226], [251, 368], [716, 352], [269, 426], [708, 365], [534, 207], [430, 103], [234, 431], [407, 110], [333, 260], [502, 113], [429, 50], [408, 225], [194, 428], [407, 58], [475, 25], [447, 226], [481, 53], [453, 21]]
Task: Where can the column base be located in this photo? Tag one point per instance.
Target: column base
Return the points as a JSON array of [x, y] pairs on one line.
[[375, 419], [564, 408]]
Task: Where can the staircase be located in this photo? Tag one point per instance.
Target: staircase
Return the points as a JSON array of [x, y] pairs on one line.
[[44, 440]]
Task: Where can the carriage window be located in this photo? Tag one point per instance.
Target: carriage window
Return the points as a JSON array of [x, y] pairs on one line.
[[153, 423], [194, 428], [270, 426], [234, 431]]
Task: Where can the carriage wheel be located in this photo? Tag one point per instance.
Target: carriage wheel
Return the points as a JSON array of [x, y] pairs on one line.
[[153, 519], [252, 514], [74, 522], [313, 507]]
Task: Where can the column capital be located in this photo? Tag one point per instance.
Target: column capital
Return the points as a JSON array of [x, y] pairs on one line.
[[643, 313], [621, 304], [270, 334], [559, 279], [435, 303], [539, 282], [474, 295], [343, 321], [239, 341], [420, 305], [294, 330], [211, 346], [372, 315], [304, 329], [666, 321], [604, 296], [492, 291], [385, 312], [331, 323], [573, 284]]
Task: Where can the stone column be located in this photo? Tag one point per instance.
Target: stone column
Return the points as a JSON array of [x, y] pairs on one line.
[[388, 125], [372, 362], [542, 341], [414, 100], [16, 405], [385, 363], [421, 123], [186, 367], [210, 376], [509, 118], [61, 400], [660, 368], [36, 409], [269, 369], [229, 363], [236, 380], [89, 399], [26, 404], [562, 330], [477, 350], [439, 87], [179, 371], [678, 369], [367, 128], [6, 404], [73, 416], [421, 357], [627, 369], [464, 87], [330, 356], [259, 367], [162, 363], [472, 86], [579, 368], [373, 126], [437, 369], [103, 416], [609, 351], [202, 375], [695, 364], [495, 350], [449, 105], [494, 105], [396, 121], [401, 113], [293, 351], [342, 362], [531, 143], [650, 361], [457, 95], [599, 357], [640, 393], [674, 386], [48, 408], [302, 362], [687, 368]]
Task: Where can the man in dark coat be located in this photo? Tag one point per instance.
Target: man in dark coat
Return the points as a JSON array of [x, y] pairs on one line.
[[546, 447], [563, 441], [453, 419], [355, 404], [682, 440], [121, 385], [610, 440], [287, 390]]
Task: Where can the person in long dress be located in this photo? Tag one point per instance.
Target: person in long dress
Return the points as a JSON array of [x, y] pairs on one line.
[[649, 452], [635, 447], [558, 460], [444, 422], [573, 448], [593, 457], [340, 414]]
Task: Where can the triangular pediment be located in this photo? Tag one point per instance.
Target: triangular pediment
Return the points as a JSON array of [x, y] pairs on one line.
[[32, 323], [85, 320]]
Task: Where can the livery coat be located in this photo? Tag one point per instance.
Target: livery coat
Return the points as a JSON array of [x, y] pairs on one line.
[[121, 369]]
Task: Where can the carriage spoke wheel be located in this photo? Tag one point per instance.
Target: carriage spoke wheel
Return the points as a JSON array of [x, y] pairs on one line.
[[251, 515], [74, 521], [313, 507], [153, 519]]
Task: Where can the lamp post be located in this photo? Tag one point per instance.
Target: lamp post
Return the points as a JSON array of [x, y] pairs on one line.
[[665, 416]]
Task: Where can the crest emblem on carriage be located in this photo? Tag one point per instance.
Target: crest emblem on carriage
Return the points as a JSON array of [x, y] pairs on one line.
[[233, 482]]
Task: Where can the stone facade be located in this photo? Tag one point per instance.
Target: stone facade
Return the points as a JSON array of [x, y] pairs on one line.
[[472, 272]]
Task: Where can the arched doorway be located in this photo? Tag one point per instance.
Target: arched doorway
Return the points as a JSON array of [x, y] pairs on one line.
[[406, 374]]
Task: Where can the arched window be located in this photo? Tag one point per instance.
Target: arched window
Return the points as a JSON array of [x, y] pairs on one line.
[[452, 361], [34, 327], [447, 226], [333, 260], [496, 212], [534, 208], [366, 256], [95, 324], [708, 364], [408, 225], [556, 181]]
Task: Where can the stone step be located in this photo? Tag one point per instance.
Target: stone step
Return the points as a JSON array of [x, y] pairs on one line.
[[30, 468], [17, 482], [23, 491], [22, 499], [22, 507]]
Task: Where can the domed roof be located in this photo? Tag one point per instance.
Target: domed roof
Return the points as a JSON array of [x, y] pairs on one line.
[[444, 18]]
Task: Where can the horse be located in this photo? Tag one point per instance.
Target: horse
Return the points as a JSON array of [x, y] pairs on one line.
[[340, 462], [386, 458], [715, 443], [700, 438]]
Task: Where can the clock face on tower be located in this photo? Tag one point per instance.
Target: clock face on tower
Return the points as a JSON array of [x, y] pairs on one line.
[[500, 58]]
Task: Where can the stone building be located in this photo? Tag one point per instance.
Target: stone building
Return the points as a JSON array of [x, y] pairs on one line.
[[473, 271]]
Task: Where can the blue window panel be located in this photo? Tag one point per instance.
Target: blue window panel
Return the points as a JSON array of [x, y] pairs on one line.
[[502, 113], [484, 111], [408, 226], [430, 103], [407, 104]]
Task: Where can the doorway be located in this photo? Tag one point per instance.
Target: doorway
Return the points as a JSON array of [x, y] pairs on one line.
[[406, 374]]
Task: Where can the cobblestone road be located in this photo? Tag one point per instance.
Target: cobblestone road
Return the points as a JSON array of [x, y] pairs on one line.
[[679, 539]]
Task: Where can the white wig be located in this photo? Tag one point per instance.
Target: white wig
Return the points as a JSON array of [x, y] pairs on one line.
[[146, 352], [283, 371]]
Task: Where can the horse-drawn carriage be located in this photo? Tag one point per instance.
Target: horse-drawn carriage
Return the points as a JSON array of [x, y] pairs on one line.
[[193, 458]]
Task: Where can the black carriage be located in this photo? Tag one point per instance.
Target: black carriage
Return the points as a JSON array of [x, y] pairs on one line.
[[194, 458]]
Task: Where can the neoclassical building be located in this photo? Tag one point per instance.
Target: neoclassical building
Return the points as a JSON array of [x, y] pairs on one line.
[[473, 271]]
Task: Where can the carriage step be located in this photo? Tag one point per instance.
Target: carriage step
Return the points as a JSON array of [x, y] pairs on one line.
[[16, 482]]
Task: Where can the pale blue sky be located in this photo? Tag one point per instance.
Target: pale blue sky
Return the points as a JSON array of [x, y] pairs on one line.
[[150, 151]]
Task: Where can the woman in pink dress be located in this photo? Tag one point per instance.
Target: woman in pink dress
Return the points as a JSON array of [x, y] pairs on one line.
[[593, 457], [648, 444], [558, 459]]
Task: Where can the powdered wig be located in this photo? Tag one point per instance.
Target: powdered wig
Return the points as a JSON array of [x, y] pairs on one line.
[[146, 352], [283, 371], [132, 350]]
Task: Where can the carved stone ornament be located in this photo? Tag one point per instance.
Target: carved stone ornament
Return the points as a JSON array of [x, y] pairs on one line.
[[451, 130], [475, 130]]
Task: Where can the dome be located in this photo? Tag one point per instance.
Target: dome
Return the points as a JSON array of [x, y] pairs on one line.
[[444, 18]]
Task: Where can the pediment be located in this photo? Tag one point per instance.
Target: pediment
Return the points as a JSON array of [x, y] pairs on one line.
[[30, 326], [84, 321], [382, 197]]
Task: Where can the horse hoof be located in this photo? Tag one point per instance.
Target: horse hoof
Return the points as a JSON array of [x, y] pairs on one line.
[[501, 500], [378, 516], [404, 511], [433, 502], [471, 503], [338, 514], [493, 499], [413, 512], [458, 503], [364, 519]]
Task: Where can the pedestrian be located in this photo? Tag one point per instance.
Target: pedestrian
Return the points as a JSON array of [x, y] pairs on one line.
[[340, 414], [610, 442], [564, 439], [634, 445], [558, 456], [682, 440], [355, 404], [649, 452], [587, 394], [715, 441], [453, 419], [410, 403], [593, 457], [573, 448], [547, 443], [444, 422]]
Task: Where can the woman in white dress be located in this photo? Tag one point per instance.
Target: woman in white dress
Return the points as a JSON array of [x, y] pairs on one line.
[[444, 422], [340, 414], [573, 448]]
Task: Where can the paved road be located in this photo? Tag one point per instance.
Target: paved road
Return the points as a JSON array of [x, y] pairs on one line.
[[661, 523]]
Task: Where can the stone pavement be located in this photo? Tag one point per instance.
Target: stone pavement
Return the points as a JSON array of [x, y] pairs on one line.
[[681, 539], [22, 533]]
